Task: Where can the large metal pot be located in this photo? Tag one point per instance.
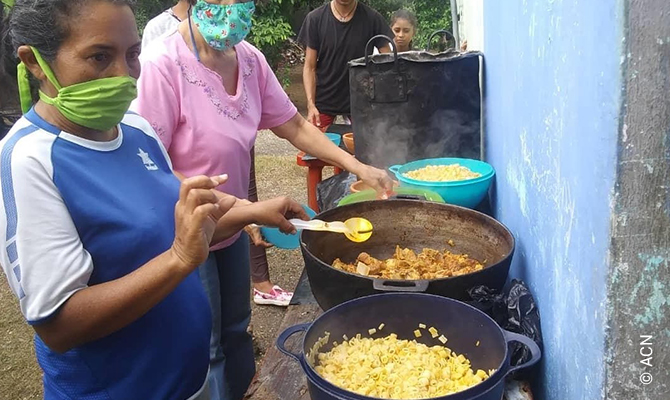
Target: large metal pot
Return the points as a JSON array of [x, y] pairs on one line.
[[470, 332], [415, 225], [415, 105]]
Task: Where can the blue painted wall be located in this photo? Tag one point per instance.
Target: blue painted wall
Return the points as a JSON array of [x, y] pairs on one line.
[[553, 87]]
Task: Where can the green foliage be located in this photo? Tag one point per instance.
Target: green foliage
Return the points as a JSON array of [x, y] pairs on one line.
[[432, 15], [387, 7], [271, 26], [271, 30]]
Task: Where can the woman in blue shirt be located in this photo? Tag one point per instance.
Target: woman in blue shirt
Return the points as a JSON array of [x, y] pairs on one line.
[[100, 239]]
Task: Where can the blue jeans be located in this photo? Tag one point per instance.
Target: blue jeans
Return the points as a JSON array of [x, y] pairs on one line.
[[226, 278]]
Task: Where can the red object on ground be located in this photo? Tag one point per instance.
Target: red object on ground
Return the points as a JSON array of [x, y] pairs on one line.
[[314, 170]]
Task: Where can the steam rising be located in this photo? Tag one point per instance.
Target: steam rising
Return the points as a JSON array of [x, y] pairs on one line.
[[392, 141], [440, 118]]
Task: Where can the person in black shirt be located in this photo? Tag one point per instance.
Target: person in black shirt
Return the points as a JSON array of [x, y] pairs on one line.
[[333, 35]]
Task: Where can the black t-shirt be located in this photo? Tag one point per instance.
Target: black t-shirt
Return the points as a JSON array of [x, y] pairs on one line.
[[336, 43]]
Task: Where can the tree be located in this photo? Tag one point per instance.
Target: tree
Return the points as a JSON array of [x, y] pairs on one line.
[[272, 28], [432, 15]]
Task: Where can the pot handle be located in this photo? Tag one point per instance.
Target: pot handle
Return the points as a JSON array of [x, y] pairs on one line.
[[408, 197], [441, 31], [288, 332], [395, 169], [395, 51], [386, 285], [535, 352]]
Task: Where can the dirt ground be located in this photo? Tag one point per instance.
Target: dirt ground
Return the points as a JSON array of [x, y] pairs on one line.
[[20, 377], [277, 175], [296, 90]]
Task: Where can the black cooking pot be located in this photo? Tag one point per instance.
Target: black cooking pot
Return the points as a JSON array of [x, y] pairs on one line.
[[415, 105], [415, 225], [469, 332]]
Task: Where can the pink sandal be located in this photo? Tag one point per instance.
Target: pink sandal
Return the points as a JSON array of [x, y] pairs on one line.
[[277, 297]]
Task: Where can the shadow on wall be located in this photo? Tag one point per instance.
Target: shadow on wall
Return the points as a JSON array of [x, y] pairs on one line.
[[520, 263]]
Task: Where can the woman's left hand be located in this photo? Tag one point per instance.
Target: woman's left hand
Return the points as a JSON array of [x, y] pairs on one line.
[[377, 179], [256, 237]]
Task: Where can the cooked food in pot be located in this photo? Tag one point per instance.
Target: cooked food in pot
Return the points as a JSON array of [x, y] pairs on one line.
[[442, 173], [406, 264], [390, 368]]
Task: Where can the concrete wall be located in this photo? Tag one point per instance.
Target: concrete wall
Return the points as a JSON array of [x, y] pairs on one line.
[[638, 362], [553, 97]]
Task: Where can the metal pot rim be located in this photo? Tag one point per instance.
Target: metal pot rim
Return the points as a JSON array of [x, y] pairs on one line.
[[305, 249], [492, 381]]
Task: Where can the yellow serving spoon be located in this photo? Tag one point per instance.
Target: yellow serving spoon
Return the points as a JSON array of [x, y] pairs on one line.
[[355, 229]]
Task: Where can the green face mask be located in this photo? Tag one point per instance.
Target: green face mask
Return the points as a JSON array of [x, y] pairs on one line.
[[99, 104]]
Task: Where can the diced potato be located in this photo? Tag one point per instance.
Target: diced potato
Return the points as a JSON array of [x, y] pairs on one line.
[[393, 368], [433, 332], [381, 326], [372, 331], [422, 326], [442, 339], [362, 269]]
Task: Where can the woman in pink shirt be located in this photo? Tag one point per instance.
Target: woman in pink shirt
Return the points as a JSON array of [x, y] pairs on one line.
[[207, 92], [265, 292]]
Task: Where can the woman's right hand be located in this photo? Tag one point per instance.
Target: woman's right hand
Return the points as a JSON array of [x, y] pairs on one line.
[[276, 212], [196, 215]]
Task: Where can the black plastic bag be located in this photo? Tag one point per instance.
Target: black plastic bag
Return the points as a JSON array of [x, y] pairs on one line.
[[329, 192], [514, 310]]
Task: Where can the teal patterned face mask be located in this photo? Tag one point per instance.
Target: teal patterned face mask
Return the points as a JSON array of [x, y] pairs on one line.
[[223, 26]]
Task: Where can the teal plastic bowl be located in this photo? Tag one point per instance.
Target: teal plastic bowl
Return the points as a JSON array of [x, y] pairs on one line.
[[281, 240], [466, 193], [335, 138]]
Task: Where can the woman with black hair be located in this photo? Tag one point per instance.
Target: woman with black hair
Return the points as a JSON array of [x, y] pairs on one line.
[[99, 239], [403, 25], [9, 109]]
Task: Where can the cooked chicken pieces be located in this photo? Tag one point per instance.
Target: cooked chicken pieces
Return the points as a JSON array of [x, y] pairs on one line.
[[406, 264]]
